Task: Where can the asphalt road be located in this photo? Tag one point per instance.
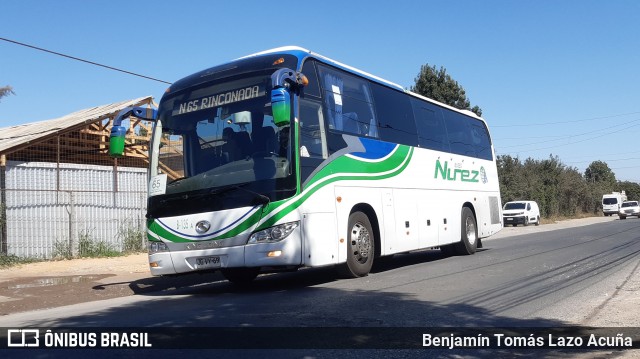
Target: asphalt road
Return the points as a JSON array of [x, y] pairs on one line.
[[550, 279]]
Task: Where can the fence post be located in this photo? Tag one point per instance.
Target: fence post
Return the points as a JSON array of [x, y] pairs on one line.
[[73, 243], [4, 247]]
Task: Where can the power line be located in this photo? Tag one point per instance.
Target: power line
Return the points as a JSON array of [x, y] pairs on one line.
[[564, 137], [563, 122], [83, 60], [607, 160], [571, 143]]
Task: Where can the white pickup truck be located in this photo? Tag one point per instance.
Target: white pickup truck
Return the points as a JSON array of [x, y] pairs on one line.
[[629, 208]]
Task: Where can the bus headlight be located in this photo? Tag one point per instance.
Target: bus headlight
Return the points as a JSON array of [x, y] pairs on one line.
[[273, 234], [156, 247]]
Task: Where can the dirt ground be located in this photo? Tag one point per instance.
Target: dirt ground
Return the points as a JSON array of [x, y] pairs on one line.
[[57, 283]]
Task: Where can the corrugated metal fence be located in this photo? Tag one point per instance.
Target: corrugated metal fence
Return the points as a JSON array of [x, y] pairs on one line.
[[52, 210]]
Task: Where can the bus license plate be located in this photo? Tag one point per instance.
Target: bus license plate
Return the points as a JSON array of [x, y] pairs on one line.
[[208, 262]]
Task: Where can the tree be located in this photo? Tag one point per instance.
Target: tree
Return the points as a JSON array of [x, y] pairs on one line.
[[6, 91], [599, 172], [438, 85], [631, 189]]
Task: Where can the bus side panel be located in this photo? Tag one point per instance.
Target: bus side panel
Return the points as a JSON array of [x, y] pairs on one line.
[[389, 221], [488, 214], [407, 220], [319, 238], [449, 217], [430, 221]]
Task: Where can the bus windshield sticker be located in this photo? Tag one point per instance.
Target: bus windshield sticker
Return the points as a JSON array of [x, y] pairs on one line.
[[337, 97], [158, 185], [220, 99]]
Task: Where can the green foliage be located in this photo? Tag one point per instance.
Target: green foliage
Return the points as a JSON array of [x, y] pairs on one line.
[[87, 247], [632, 190], [133, 239], [438, 85], [61, 250], [6, 91], [9, 260], [599, 172], [558, 189]]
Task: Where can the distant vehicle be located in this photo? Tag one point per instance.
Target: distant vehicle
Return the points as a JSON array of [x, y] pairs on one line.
[[521, 212], [611, 202], [629, 208]]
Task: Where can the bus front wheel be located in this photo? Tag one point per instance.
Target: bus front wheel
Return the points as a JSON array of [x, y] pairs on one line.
[[360, 246]]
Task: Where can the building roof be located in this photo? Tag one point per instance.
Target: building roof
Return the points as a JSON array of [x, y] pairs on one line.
[[18, 136]]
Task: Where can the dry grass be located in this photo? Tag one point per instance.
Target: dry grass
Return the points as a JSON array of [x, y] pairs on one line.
[[554, 219]]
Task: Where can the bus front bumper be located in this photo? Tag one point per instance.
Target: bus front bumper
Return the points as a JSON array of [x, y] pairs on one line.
[[286, 253]]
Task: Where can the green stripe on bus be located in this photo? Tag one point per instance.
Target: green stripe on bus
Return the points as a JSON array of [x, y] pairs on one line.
[[342, 169]]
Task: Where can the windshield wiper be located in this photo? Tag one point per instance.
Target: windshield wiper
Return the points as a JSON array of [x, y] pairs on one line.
[[176, 180], [262, 199]]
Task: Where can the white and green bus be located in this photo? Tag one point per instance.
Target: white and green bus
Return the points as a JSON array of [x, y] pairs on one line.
[[287, 159]]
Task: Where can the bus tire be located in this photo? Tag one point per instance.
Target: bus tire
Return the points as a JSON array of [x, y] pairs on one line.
[[360, 246], [469, 233], [240, 276]]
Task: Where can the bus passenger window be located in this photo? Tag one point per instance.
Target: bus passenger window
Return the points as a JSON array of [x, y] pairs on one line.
[[459, 134], [348, 103], [481, 140], [395, 116], [432, 133]]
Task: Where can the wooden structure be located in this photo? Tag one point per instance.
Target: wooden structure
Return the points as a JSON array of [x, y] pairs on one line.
[[80, 137], [77, 140]]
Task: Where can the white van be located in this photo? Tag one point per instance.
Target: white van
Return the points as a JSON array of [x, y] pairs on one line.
[[611, 202], [524, 212]]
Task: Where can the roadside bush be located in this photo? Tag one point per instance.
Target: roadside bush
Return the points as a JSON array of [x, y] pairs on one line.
[[87, 247], [8, 260], [133, 240]]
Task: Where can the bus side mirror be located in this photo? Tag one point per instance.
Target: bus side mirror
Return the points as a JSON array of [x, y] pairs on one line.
[[116, 141], [281, 106], [119, 132]]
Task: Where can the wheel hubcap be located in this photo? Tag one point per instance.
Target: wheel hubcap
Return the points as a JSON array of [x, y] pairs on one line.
[[360, 242], [471, 230]]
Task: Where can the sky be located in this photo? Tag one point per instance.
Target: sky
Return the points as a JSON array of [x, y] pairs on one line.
[[552, 77]]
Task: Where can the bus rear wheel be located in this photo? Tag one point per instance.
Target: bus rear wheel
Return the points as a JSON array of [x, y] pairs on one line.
[[360, 246], [469, 234]]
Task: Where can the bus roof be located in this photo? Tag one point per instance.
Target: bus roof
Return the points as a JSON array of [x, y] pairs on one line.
[[301, 53]]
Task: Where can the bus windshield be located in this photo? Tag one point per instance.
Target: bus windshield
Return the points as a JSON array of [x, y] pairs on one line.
[[220, 137]]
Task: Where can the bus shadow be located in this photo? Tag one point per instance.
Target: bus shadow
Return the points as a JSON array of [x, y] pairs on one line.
[[214, 282], [401, 260]]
